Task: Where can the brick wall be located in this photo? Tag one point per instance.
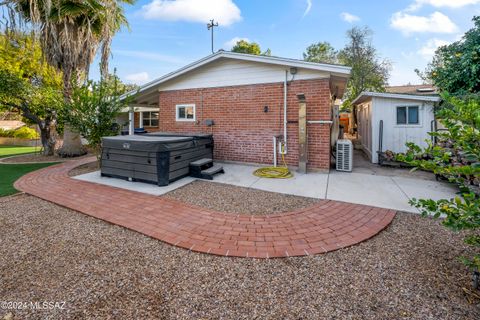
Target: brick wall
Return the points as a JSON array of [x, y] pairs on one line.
[[243, 131]]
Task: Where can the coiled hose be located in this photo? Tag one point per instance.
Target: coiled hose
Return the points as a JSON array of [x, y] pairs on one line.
[[274, 172]]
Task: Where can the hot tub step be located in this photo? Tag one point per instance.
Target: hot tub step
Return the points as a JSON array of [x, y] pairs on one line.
[[210, 172], [201, 162]]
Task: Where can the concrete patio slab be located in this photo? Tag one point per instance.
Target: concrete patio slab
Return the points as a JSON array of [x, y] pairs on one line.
[[379, 191], [147, 188], [313, 185], [422, 189], [360, 188]]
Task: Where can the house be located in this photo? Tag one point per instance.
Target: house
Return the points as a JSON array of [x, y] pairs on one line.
[[249, 103], [388, 120]]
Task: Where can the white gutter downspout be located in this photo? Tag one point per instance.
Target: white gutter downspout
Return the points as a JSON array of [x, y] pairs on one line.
[[284, 149], [131, 121]]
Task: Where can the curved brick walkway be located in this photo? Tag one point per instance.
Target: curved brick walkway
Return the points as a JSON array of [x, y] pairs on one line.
[[325, 226]]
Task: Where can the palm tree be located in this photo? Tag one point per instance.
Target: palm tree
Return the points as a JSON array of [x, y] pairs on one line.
[[71, 32]]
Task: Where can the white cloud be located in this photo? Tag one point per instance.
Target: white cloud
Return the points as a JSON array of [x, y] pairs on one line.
[[138, 78], [147, 56], [417, 4], [309, 6], [428, 50], [232, 42], [223, 11], [437, 22], [348, 17]]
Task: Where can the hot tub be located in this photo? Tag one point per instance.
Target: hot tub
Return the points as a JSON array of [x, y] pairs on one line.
[[158, 158]]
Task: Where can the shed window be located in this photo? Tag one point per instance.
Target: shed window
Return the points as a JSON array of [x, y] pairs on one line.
[[407, 115], [185, 112], [150, 119]]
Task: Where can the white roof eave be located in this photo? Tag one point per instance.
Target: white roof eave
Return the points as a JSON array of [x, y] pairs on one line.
[[396, 96]]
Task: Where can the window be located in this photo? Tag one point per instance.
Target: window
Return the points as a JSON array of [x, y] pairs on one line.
[[150, 119], [407, 115], [185, 112]]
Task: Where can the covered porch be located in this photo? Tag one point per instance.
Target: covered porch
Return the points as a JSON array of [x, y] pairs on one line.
[[138, 118]]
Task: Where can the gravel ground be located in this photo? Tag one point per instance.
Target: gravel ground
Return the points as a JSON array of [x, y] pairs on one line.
[[102, 271], [228, 198], [84, 168]]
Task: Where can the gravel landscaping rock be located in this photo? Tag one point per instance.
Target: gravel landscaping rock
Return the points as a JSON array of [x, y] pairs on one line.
[[233, 199], [84, 168], [102, 271]]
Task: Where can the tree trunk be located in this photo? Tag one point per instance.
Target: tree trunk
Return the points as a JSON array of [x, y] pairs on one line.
[[72, 143], [48, 140]]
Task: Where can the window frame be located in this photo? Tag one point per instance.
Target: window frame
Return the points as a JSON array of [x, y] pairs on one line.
[[407, 108], [177, 113], [149, 118]]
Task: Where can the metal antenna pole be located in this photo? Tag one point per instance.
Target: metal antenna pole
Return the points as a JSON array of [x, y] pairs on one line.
[[211, 25]]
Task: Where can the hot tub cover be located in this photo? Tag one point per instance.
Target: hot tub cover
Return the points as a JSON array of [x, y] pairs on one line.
[[148, 143]]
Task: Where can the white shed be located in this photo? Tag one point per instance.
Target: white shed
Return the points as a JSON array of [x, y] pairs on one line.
[[404, 118]]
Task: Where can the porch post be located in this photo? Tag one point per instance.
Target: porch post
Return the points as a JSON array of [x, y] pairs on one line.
[[140, 121], [131, 121]]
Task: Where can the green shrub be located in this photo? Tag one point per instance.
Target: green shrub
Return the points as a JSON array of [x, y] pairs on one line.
[[6, 133], [25, 133], [456, 157], [20, 133]]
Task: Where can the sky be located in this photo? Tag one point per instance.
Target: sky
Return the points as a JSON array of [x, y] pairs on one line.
[[165, 35]]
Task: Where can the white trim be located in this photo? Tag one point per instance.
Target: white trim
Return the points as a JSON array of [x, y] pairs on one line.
[[335, 69], [396, 96], [407, 124], [185, 106]]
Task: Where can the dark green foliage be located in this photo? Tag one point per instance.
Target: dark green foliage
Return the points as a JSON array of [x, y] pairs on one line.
[[93, 110], [456, 157], [321, 52], [243, 46], [456, 67]]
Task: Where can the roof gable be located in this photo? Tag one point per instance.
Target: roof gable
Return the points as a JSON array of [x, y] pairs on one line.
[[336, 70]]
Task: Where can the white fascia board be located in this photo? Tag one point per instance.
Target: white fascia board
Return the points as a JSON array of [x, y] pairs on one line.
[[334, 69], [396, 96]]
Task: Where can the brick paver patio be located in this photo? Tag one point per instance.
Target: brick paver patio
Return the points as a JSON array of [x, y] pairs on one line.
[[326, 226]]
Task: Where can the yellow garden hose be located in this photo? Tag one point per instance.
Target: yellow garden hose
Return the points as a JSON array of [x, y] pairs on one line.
[[274, 172]]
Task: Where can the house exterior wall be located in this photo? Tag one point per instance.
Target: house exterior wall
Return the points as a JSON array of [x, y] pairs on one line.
[[230, 72], [243, 131], [396, 136]]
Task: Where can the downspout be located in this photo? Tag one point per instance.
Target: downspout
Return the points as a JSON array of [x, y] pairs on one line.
[[131, 121], [284, 149]]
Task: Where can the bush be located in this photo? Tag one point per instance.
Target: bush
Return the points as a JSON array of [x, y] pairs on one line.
[[20, 133], [6, 133], [456, 157]]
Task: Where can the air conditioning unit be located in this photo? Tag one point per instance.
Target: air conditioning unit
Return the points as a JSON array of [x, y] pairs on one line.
[[344, 155]]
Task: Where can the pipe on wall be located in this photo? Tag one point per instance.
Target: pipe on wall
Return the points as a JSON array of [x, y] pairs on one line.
[[131, 121], [320, 122], [274, 151], [284, 150]]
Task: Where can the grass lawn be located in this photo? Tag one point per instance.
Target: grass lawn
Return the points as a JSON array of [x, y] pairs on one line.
[[9, 173], [6, 151]]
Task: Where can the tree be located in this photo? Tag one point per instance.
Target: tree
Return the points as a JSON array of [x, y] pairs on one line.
[[455, 68], [71, 32], [369, 71], [321, 52], [30, 86], [93, 109], [243, 46]]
